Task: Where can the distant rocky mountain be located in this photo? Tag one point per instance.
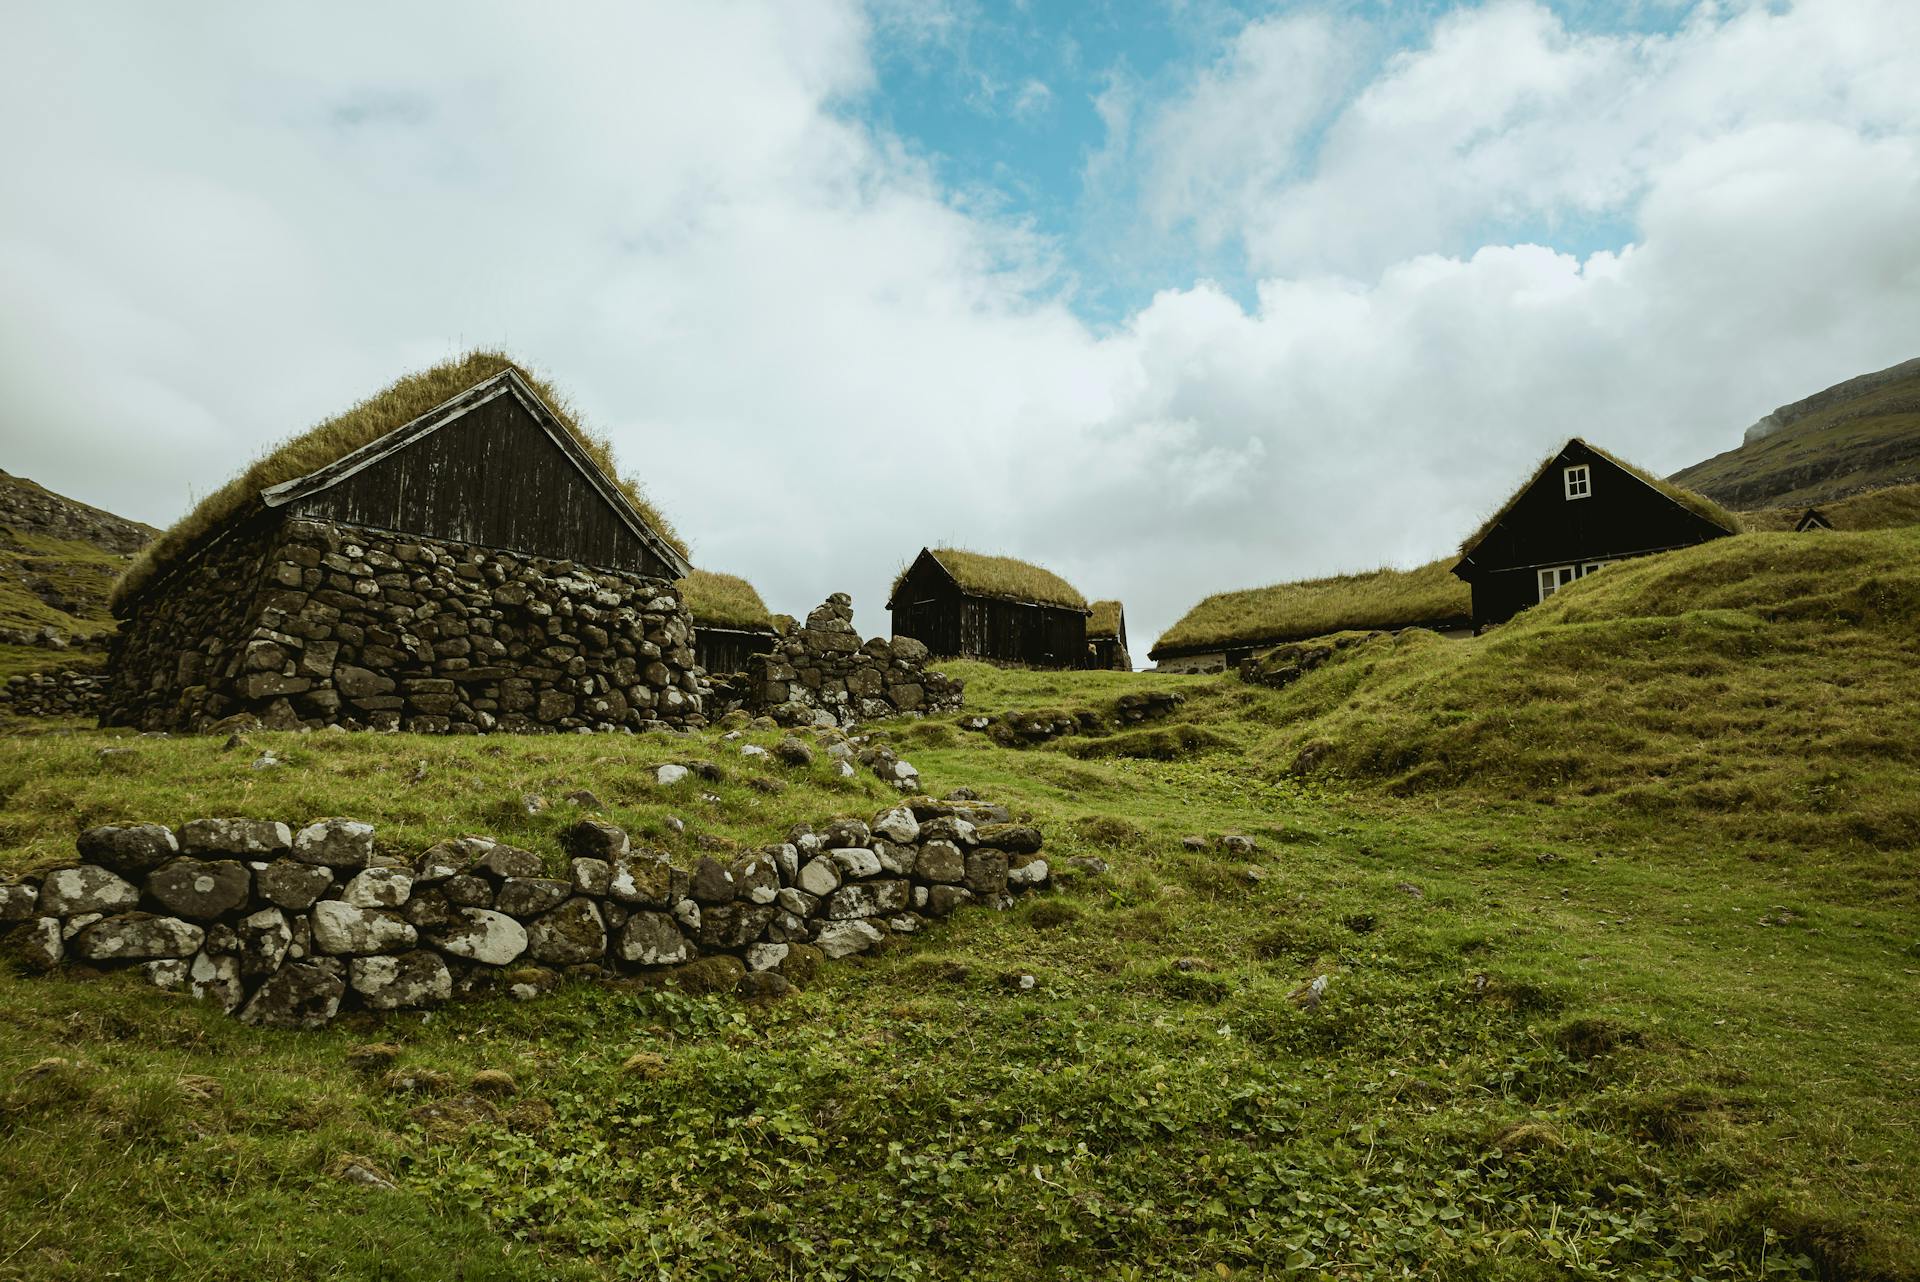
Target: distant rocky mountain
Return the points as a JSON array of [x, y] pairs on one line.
[[58, 560], [1854, 436]]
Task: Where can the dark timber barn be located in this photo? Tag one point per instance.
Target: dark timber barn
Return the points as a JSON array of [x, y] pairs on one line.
[[453, 554], [1582, 510], [968, 605], [731, 623], [1107, 637]]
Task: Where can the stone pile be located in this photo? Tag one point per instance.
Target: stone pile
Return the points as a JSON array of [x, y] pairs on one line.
[[315, 624], [822, 674], [54, 694], [286, 928]]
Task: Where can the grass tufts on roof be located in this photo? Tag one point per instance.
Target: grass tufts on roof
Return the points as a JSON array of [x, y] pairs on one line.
[[1004, 576], [1105, 620], [1373, 599], [393, 407], [724, 601], [1698, 504]]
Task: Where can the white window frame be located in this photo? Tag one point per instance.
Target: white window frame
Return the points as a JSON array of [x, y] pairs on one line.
[[1578, 481], [1552, 578]]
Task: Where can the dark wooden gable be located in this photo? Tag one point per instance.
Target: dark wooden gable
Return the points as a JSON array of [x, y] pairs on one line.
[[491, 467], [931, 606], [1812, 519], [1621, 516]]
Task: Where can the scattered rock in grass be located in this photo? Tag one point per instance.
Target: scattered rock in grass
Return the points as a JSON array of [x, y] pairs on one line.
[[668, 775], [1310, 994], [349, 1169], [371, 1056], [585, 799], [494, 1081], [1239, 845]]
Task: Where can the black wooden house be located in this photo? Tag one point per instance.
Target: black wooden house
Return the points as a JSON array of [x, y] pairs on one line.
[[969, 605], [1583, 509], [1107, 637], [731, 623]]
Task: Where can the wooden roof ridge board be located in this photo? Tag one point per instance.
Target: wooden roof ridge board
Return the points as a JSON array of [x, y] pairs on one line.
[[506, 383]]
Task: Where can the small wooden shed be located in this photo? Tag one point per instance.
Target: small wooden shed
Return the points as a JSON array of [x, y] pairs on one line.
[[1581, 510], [731, 623], [1107, 637], [970, 605]]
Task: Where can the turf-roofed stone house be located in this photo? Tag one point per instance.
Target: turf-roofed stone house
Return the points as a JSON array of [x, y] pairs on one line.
[[731, 623], [453, 554], [1107, 637], [962, 604], [1228, 628], [1582, 510]]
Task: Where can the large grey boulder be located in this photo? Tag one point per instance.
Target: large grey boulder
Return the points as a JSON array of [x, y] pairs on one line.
[[844, 938], [531, 896], [128, 849], [503, 861], [298, 995], [334, 843], [137, 937], [245, 838], [343, 930], [820, 877], [897, 824], [653, 939], [293, 886], [202, 889], [571, 934], [868, 899], [483, 935], [89, 888], [404, 981], [856, 861], [379, 888], [987, 871]]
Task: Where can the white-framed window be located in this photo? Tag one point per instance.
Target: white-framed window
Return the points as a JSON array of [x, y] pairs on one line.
[[1555, 577], [1591, 566], [1579, 481]]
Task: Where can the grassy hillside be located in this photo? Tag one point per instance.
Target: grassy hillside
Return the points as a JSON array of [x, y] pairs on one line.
[[1858, 435], [1882, 509], [58, 562], [1614, 906]]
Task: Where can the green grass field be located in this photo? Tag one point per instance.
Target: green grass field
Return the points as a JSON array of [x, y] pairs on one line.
[[1615, 908]]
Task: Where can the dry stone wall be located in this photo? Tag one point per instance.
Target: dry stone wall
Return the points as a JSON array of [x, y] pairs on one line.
[[286, 927], [53, 694], [823, 674], [308, 623]]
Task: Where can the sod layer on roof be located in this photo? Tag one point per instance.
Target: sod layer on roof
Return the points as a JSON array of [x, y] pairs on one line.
[[1003, 576], [1313, 607], [1698, 504], [1104, 621], [724, 601], [366, 422]]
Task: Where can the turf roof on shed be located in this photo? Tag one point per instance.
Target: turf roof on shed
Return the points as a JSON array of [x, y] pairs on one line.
[[1375, 599], [327, 442], [1105, 620], [1003, 576], [724, 601]]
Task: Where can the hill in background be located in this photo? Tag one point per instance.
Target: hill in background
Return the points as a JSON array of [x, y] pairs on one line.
[[1858, 435], [58, 560]]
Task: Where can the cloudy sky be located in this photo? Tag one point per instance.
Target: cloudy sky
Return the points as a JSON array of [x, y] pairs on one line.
[[1171, 295]]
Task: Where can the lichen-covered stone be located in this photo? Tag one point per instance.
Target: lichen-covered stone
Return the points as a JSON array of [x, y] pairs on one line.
[[137, 937], [987, 871], [531, 896], [293, 886], [342, 930], [128, 849], [334, 843], [756, 878], [653, 939], [855, 861], [571, 934], [236, 838], [484, 936], [941, 861], [89, 888], [503, 861], [403, 981], [201, 889], [19, 902], [298, 995], [897, 824], [819, 877], [867, 899], [264, 938], [595, 839], [642, 879], [379, 888], [1015, 839], [844, 938]]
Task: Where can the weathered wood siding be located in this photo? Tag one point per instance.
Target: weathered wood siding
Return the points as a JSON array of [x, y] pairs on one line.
[[493, 477], [1623, 517], [929, 607], [727, 650]]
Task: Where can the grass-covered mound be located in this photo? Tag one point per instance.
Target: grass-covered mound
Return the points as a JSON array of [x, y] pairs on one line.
[[724, 600], [1883, 509], [1104, 622], [393, 407], [1373, 599], [1003, 576]]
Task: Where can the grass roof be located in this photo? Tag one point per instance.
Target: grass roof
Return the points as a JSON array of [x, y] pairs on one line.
[[1882, 509], [1105, 620], [366, 422], [1698, 504], [1003, 576], [724, 601], [1375, 599]]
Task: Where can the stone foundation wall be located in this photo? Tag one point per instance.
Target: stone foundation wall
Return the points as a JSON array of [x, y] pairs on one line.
[[308, 623], [285, 927], [821, 673]]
